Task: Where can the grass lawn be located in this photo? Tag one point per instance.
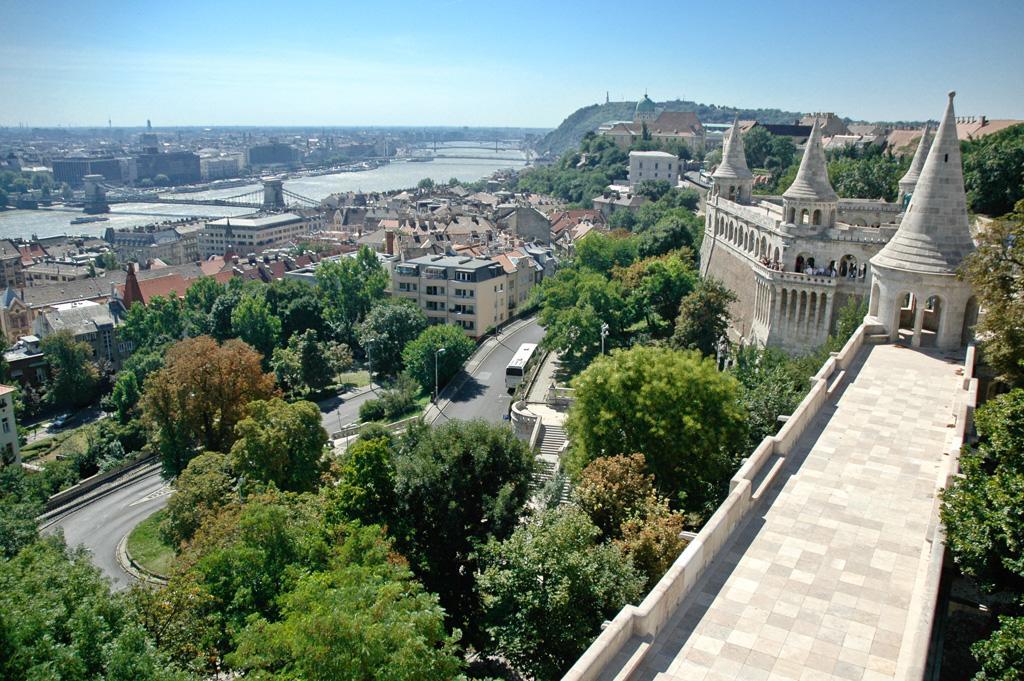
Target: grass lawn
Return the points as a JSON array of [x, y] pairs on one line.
[[147, 548], [63, 443], [354, 379]]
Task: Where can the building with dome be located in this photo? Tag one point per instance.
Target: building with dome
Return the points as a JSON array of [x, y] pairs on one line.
[[661, 127], [795, 260]]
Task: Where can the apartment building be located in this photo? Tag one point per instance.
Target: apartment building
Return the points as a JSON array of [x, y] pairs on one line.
[[251, 233], [9, 452], [470, 292]]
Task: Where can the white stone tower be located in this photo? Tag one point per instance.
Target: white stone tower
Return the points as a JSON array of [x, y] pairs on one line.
[[732, 178], [915, 292], [810, 200], [909, 180]]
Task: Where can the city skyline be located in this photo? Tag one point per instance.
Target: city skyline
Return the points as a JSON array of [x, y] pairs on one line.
[[397, 64]]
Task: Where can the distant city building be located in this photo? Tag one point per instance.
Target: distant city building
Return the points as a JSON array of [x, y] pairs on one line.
[[219, 167], [666, 127], [829, 124], [12, 270], [251, 234], [15, 316], [180, 167], [174, 245], [652, 165], [10, 454], [92, 323], [272, 153], [72, 171]]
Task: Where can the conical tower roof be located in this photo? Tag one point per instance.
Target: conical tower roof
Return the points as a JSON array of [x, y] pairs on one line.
[[811, 183], [914, 171], [934, 236], [734, 157]]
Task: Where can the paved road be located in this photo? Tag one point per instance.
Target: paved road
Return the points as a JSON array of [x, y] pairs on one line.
[[100, 525], [483, 394], [342, 410]]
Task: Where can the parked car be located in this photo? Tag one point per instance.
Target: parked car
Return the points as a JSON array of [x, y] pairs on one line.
[[59, 421]]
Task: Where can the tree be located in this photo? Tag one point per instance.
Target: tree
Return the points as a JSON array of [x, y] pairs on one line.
[[1002, 655], [201, 490], [678, 229], [74, 378], [388, 327], [656, 286], [673, 407], [653, 189], [600, 252], [423, 359], [253, 322], [994, 171], [996, 273], [156, 323], [281, 443], [547, 589], [362, 622], [58, 619], [613, 489], [309, 365], [650, 538], [348, 287], [298, 307], [162, 180], [457, 487], [20, 504], [366, 484], [703, 317], [426, 184], [195, 401]]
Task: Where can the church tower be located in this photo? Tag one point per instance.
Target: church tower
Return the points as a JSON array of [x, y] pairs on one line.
[[732, 178], [916, 293], [810, 200], [909, 180]]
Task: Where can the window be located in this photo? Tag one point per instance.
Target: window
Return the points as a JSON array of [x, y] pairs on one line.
[[6, 425], [402, 286], [435, 290], [463, 276]]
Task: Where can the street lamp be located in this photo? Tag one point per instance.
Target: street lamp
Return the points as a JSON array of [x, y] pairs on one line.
[[369, 359], [604, 332], [437, 353]]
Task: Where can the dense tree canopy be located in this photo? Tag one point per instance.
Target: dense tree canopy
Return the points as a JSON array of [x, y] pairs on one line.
[[673, 407], [703, 317], [281, 443], [994, 171], [348, 288], [388, 327], [548, 588], [195, 401], [423, 357], [74, 379]]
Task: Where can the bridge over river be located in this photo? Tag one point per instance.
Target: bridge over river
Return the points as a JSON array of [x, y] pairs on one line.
[[824, 560]]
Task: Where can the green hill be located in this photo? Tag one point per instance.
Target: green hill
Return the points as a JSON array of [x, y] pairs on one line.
[[580, 122]]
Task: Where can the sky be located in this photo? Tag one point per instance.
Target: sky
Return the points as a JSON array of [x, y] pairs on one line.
[[481, 63]]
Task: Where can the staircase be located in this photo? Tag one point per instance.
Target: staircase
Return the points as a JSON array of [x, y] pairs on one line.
[[548, 460], [875, 332]]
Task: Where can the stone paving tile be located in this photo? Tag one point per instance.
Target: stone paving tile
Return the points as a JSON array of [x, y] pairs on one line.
[[817, 585]]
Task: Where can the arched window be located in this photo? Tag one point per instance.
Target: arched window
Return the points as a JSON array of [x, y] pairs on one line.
[[817, 216], [792, 215], [803, 216]]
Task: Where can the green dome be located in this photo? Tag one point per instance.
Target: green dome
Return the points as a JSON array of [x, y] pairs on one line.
[[645, 105]]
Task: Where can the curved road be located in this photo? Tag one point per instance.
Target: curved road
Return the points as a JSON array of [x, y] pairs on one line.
[[482, 393], [100, 525]]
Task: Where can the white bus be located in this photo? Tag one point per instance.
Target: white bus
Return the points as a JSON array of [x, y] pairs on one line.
[[516, 369]]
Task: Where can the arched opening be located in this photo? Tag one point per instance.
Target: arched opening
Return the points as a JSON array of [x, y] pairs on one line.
[[970, 321], [906, 308], [801, 308], [792, 215], [732, 192], [812, 309], [873, 305], [775, 259], [764, 246], [931, 322], [816, 219], [810, 264], [799, 263], [848, 267], [783, 307], [804, 216]]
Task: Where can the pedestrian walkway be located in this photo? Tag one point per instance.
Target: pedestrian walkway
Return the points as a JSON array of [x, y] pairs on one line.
[[819, 583]]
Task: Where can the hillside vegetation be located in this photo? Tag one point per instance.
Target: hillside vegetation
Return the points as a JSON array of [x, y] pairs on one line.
[[571, 131]]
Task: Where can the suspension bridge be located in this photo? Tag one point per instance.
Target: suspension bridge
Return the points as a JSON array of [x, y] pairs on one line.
[[273, 196]]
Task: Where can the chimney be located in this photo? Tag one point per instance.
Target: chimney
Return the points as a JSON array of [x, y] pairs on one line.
[[389, 247]]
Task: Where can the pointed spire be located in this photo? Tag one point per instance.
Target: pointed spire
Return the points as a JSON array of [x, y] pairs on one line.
[[934, 235], [908, 180], [734, 157], [811, 183]]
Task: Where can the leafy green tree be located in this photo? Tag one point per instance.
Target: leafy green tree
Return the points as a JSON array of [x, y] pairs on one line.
[[996, 273], [254, 323], [613, 489], [421, 354], [600, 252], [773, 385], [867, 173], [653, 189], [650, 538], [366, 484], [387, 329], [221, 313], [703, 317], [768, 151], [457, 487], [548, 588], [994, 171], [1002, 655], [363, 622], [20, 504], [678, 229], [308, 364], [74, 378], [656, 287], [426, 183], [673, 407], [201, 490], [60, 621], [298, 307], [160, 321], [982, 509], [348, 288], [281, 443]]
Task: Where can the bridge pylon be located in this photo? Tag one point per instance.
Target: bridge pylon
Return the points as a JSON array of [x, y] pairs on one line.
[[273, 194], [95, 195]]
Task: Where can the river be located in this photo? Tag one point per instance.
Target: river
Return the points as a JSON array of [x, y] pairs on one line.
[[396, 175]]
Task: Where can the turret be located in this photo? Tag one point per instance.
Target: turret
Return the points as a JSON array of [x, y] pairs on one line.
[[644, 111], [916, 292], [732, 178], [909, 180], [810, 200]]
